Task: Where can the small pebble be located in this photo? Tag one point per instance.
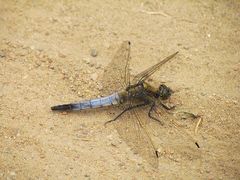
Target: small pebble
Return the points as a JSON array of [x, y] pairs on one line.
[[86, 60], [53, 20], [99, 87], [208, 171], [51, 67], [186, 48], [80, 94], [61, 55], [139, 167], [98, 66], [88, 72], [121, 164], [71, 78], [113, 144], [203, 94], [91, 65], [64, 113], [2, 55], [50, 60], [94, 77], [86, 175], [12, 173], [93, 52]]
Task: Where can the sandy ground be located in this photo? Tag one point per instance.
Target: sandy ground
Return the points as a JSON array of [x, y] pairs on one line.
[[45, 59]]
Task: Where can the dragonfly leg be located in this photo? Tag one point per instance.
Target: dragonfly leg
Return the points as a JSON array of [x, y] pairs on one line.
[[150, 114], [125, 110], [166, 107]]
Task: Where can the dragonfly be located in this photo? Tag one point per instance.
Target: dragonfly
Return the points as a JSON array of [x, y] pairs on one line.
[[136, 100]]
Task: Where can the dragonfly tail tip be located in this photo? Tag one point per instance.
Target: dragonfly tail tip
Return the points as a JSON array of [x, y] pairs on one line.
[[54, 108], [61, 107]]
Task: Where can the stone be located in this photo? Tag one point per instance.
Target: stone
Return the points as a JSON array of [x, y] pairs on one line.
[[93, 52]]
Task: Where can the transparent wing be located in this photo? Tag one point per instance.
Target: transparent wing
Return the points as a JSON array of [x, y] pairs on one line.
[[116, 75], [131, 127], [148, 72], [175, 139]]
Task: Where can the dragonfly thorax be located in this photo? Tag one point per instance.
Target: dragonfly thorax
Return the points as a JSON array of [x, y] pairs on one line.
[[144, 91], [135, 90]]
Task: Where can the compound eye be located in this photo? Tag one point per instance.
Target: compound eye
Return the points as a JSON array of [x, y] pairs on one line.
[[164, 92]]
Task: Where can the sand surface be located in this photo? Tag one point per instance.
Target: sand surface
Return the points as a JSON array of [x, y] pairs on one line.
[[46, 58]]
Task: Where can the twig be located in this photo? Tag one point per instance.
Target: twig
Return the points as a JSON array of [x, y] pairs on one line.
[[197, 125], [153, 12]]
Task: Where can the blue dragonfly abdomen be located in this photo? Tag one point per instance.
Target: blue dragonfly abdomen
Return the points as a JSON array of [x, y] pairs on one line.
[[89, 104]]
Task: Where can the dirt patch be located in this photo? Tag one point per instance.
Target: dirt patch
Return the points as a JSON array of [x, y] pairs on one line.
[[46, 58]]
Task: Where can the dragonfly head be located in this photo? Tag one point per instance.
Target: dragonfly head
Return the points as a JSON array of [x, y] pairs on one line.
[[164, 92]]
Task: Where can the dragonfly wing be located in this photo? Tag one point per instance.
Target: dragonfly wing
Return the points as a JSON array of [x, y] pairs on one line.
[[132, 129], [175, 138], [130, 126], [148, 72], [116, 75]]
